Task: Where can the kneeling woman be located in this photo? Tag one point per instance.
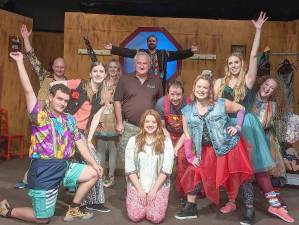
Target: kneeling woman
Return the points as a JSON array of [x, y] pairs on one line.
[[148, 165], [221, 157]]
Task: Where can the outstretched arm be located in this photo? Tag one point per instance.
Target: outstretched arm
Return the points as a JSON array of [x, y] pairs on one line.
[[252, 69], [125, 52], [183, 54], [29, 93]]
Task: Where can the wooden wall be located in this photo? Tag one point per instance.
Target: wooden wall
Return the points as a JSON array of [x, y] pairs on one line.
[[47, 46], [212, 37], [11, 92]]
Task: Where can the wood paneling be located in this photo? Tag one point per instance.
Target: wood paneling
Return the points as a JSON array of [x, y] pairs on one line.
[[48, 46], [11, 92]]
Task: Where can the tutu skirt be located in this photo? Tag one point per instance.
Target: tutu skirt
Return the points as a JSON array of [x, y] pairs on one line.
[[228, 171], [254, 134]]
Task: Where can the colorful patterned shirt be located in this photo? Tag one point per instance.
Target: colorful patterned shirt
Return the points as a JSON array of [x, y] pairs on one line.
[[154, 71], [53, 137]]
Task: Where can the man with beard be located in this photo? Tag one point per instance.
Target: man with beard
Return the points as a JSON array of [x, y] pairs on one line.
[[158, 57], [169, 108]]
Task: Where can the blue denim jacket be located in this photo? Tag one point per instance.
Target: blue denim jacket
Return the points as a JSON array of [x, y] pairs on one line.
[[217, 122]]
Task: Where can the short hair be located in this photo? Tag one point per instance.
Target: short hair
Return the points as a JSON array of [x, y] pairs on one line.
[[175, 83], [142, 53], [60, 87], [152, 35]]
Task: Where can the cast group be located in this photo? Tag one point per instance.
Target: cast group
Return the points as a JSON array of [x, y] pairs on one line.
[[218, 136]]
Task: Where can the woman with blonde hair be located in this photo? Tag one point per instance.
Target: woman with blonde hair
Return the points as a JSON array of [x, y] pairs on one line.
[[237, 86], [148, 164]]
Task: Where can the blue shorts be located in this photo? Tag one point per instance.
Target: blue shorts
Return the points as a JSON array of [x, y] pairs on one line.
[[44, 201]]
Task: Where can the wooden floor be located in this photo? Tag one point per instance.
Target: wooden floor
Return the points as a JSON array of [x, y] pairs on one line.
[[11, 171]]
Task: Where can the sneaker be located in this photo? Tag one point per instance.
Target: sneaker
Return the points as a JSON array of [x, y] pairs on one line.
[[98, 207], [20, 185], [183, 202], [248, 216], [109, 182], [77, 213], [4, 208], [189, 212], [229, 207], [281, 213]]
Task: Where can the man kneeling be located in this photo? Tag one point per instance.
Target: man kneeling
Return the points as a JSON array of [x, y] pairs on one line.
[[53, 140]]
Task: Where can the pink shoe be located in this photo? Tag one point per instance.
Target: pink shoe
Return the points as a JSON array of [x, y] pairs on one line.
[[281, 213], [229, 207]]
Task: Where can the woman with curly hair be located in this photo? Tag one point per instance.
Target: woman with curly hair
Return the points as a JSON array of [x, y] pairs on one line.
[[270, 108], [237, 86], [148, 164]]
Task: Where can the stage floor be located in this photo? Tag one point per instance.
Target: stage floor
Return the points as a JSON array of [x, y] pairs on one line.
[[13, 170]]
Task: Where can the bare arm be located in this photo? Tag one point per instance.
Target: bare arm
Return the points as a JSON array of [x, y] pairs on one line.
[[179, 144], [118, 117], [29, 93], [252, 69], [26, 34], [232, 107], [94, 123]]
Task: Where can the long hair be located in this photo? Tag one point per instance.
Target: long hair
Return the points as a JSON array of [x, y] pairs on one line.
[[87, 84], [239, 89], [208, 78], [277, 96], [118, 68], [159, 134]]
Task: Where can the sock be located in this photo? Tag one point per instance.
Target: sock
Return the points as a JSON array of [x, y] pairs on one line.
[[272, 199]]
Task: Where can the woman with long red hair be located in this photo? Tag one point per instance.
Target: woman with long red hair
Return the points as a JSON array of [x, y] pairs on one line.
[[148, 165]]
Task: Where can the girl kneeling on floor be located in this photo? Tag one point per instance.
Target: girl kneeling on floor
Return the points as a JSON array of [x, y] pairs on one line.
[[148, 164]]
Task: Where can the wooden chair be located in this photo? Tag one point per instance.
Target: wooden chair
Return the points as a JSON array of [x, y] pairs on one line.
[[6, 139]]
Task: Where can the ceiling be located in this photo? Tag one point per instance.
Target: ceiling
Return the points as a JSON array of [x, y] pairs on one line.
[[49, 15]]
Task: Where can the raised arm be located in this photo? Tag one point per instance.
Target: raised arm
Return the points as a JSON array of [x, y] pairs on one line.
[[25, 82], [90, 50], [252, 69], [37, 66]]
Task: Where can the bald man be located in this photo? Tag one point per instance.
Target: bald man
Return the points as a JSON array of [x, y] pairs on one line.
[[45, 77]]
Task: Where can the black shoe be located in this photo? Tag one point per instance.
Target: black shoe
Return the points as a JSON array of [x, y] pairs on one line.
[[98, 207], [248, 216], [183, 202], [189, 212]]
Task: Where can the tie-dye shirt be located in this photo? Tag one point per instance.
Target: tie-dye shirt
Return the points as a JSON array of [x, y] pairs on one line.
[[52, 137]]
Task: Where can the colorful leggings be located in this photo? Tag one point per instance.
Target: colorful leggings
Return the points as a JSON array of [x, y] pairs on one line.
[[154, 211]]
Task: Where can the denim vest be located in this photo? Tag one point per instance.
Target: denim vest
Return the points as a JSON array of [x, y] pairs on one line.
[[217, 122]]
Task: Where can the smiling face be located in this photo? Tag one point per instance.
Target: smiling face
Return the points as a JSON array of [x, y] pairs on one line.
[[152, 43], [175, 94], [150, 124], [58, 67], [202, 90], [59, 101], [113, 69], [142, 65], [234, 65], [97, 74], [267, 88]]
